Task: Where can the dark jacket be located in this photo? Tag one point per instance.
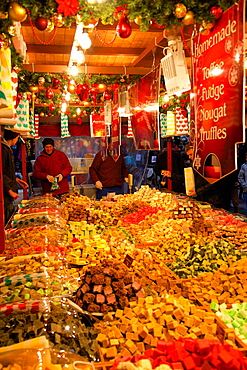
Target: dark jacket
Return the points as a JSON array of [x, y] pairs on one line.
[[52, 165], [108, 171], [177, 169], [9, 178]]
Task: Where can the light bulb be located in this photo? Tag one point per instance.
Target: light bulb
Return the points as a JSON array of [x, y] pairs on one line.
[[85, 41]]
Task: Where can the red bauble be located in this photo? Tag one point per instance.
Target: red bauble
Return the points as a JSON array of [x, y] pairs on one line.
[[55, 83], [123, 28], [79, 89], [49, 93], [216, 11], [107, 95], [41, 23], [52, 107]]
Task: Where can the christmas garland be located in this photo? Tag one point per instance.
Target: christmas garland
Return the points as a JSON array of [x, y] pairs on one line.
[[161, 13], [49, 89]]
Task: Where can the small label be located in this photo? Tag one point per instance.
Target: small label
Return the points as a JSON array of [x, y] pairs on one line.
[[128, 260]]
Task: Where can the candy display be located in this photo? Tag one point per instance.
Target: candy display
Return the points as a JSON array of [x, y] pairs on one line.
[[122, 276], [107, 287], [63, 326], [134, 329], [185, 353]]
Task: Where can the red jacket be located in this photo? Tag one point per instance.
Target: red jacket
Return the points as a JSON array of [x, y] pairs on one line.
[[52, 165], [110, 172]]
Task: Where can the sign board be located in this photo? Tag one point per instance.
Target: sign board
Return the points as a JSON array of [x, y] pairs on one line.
[[217, 102], [97, 125]]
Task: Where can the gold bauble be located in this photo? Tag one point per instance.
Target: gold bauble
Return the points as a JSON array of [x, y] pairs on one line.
[[101, 88], [180, 10], [138, 20], [50, 26], [71, 88], [42, 114], [34, 89], [16, 12], [41, 81], [188, 18], [74, 115]]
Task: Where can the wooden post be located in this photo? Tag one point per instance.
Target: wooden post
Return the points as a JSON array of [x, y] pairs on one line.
[[2, 221], [24, 166], [169, 163]]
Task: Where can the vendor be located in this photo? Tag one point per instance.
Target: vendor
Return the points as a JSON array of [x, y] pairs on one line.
[[52, 166], [108, 172]]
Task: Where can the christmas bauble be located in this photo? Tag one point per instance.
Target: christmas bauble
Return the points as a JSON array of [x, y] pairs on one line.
[[49, 93], [41, 81], [55, 83], [180, 10], [79, 89], [101, 88], [42, 114], [41, 23], [34, 89], [107, 95], [216, 11], [188, 18], [123, 28], [71, 88], [16, 12], [52, 107]]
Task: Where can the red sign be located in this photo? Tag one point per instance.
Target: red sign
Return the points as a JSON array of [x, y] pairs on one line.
[[217, 107], [97, 125]]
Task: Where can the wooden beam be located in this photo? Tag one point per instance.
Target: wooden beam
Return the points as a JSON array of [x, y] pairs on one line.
[[152, 45], [86, 69], [94, 50]]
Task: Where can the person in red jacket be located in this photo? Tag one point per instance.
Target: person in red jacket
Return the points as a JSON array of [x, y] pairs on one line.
[[52, 164], [108, 173]]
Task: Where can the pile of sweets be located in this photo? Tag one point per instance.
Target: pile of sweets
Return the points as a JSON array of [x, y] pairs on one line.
[[86, 251], [138, 327], [234, 317], [226, 285], [186, 354], [207, 256], [36, 239], [107, 286], [63, 325]]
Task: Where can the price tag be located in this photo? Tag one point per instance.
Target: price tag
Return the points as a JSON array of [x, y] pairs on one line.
[[128, 260]]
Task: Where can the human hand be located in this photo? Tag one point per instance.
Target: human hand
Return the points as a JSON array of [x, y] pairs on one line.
[[14, 195], [99, 185], [59, 177], [126, 179], [22, 183], [50, 178], [166, 173]]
